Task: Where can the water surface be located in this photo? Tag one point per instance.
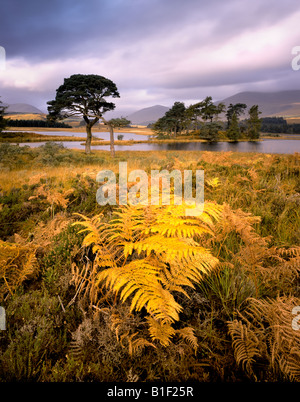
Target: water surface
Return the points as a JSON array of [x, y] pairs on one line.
[[265, 146]]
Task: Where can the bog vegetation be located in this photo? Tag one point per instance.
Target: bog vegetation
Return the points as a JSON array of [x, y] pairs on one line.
[[143, 293]]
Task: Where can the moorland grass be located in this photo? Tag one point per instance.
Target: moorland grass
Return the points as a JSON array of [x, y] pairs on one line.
[[55, 334]]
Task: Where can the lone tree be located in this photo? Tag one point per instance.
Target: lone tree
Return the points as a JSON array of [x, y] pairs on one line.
[[85, 95]]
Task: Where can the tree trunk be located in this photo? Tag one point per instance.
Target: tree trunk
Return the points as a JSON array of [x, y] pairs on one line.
[[112, 140], [88, 139], [111, 132]]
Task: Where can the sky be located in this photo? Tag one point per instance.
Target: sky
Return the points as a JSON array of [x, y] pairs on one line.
[[155, 51]]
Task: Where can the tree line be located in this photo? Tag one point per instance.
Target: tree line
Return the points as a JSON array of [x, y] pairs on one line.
[[202, 119], [279, 125], [36, 123]]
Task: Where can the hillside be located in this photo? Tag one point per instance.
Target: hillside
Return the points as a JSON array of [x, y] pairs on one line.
[[22, 108], [147, 115], [283, 104]]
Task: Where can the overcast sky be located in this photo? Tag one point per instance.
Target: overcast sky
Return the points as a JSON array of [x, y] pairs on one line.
[[156, 51]]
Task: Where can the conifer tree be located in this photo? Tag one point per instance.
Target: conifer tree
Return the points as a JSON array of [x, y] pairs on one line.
[[253, 123], [233, 132], [86, 96]]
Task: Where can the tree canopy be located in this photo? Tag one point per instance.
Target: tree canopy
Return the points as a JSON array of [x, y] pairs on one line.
[[253, 122], [234, 132], [119, 122], [237, 109]]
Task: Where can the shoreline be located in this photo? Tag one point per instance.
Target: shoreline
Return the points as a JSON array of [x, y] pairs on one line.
[[24, 136]]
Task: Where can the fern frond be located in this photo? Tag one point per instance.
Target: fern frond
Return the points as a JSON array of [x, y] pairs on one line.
[[274, 338], [93, 227], [242, 223], [188, 335], [290, 364], [139, 279], [80, 338], [84, 279], [17, 264], [129, 222], [162, 332], [245, 344], [137, 345]]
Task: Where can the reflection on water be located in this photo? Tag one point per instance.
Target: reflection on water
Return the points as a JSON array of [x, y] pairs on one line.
[[266, 146], [97, 134]]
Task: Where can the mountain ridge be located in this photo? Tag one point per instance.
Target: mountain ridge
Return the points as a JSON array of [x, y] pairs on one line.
[[147, 115], [280, 103]]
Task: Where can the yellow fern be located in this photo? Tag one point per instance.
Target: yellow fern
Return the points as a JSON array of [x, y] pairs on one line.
[[139, 279], [17, 263], [162, 332], [147, 253], [214, 182]]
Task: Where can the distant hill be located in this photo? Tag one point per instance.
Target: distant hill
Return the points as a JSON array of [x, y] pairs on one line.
[[283, 104], [147, 115], [22, 108]]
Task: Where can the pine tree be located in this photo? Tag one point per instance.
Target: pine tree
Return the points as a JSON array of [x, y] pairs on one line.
[[253, 123], [233, 132], [210, 131], [86, 96]]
